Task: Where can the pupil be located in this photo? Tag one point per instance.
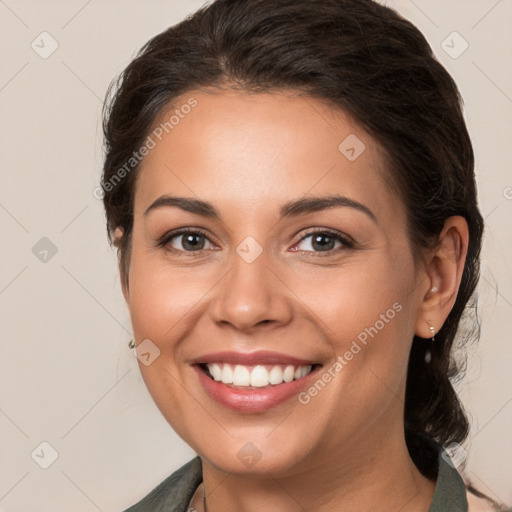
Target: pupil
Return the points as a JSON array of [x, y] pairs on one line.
[[189, 240], [323, 246]]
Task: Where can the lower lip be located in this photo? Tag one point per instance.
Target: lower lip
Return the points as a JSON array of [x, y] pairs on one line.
[[252, 400]]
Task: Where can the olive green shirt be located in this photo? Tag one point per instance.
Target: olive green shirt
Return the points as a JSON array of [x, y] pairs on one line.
[[176, 491]]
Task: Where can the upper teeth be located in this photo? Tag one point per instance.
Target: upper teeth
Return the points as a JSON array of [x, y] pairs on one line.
[[257, 376]]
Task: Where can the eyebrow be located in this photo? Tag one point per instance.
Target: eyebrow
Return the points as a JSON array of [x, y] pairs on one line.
[[290, 209]]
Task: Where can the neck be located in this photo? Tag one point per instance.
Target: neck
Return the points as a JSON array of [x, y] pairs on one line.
[[367, 479]]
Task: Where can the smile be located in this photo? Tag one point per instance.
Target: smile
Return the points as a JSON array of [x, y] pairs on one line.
[[253, 382], [256, 376]]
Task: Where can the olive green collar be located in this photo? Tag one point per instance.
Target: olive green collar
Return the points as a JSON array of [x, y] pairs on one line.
[[450, 492]]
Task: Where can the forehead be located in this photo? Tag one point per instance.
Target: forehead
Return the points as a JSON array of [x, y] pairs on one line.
[[237, 149]]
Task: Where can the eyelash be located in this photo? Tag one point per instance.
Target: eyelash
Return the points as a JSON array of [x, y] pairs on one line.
[[347, 243], [337, 235]]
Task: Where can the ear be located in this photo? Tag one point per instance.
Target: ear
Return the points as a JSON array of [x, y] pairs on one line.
[[118, 235], [444, 272]]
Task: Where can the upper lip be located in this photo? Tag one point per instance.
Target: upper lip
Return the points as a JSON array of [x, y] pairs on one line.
[[250, 358]]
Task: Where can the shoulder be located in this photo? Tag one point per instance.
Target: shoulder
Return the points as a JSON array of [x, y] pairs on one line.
[[453, 488], [174, 493]]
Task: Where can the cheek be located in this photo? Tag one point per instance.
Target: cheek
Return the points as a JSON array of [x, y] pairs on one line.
[[160, 297], [356, 300], [161, 308], [366, 312]]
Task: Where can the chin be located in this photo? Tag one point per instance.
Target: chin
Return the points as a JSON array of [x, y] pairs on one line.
[[259, 456]]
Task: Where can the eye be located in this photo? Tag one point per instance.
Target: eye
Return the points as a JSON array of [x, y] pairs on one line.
[[324, 241], [185, 240], [195, 240]]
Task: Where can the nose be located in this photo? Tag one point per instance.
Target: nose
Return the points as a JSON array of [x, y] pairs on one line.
[[252, 294]]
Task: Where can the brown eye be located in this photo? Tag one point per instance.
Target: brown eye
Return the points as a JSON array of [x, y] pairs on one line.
[[185, 240], [324, 241]]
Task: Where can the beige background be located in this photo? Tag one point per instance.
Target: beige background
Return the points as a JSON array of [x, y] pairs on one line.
[[66, 375]]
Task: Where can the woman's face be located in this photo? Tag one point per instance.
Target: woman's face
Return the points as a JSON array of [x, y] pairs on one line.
[[270, 282]]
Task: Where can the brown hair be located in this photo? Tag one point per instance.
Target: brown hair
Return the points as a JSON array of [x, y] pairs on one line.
[[371, 63]]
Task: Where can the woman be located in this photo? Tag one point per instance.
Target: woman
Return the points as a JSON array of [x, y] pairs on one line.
[[290, 187]]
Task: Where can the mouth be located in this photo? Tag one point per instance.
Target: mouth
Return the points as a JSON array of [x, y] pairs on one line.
[[257, 376], [253, 382]]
